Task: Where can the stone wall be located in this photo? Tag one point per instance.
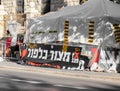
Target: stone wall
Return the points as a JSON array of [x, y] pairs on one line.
[[42, 6], [9, 5], [56, 4]]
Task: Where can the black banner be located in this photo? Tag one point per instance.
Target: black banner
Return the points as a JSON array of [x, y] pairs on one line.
[[53, 54], [49, 53]]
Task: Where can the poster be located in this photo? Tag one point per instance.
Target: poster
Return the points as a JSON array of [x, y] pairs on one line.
[[52, 54]]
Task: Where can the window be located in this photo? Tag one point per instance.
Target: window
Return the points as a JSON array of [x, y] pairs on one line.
[[20, 6]]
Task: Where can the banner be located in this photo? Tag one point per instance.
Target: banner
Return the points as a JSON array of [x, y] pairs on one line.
[[52, 54]]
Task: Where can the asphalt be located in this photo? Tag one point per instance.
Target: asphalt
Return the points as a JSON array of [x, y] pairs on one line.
[[62, 72]]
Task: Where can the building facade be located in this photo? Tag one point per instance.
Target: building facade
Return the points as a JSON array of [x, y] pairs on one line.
[[20, 10], [42, 6]]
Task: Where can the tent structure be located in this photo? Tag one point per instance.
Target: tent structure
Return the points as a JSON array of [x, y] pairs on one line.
[[50, 27], [93, 22]]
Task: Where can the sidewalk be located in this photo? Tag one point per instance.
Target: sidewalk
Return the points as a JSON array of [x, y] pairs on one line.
[[61, 72]]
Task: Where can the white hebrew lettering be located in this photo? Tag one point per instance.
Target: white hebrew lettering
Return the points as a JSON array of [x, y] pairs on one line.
[[32, 53], [35, 53], [52, 54], [40, 53], [60, 55], [46, 54], [55, 57], [29, 52], [68, 56]]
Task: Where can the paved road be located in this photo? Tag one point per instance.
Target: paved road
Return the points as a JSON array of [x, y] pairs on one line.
[[75, 74], [18, 80]]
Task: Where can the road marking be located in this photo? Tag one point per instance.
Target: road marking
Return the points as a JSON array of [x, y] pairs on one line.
[[79, 87], [18, 80], [70, 87], [37, 82], [27, 81], [34, 82], [1, 77]]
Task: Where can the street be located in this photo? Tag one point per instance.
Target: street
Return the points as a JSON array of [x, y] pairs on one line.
[[59, 45], [17, 80]]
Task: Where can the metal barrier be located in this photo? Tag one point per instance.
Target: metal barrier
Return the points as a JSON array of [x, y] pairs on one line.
[[8, 52], [2, 49]]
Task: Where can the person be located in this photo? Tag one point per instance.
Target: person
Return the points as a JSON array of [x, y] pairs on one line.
[[7, 49], [23, 53]]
